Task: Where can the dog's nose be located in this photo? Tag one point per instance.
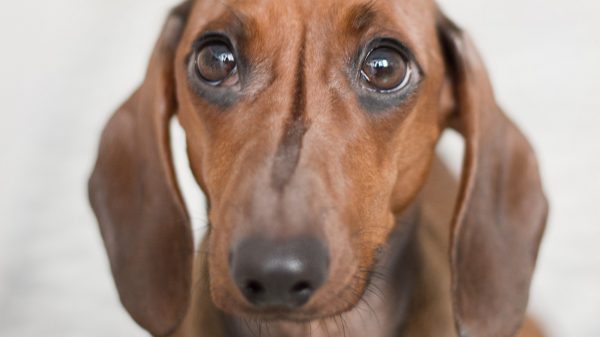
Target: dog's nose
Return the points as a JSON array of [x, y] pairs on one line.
[[279, 275]]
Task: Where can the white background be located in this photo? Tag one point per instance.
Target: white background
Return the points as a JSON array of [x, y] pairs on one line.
[[66, 64]]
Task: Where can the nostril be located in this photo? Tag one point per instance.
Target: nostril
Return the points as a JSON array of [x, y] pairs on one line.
[[302, 287], [273, 275], [301, 292], [254, 288]]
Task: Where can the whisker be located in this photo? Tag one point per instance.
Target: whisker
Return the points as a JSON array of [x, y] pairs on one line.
[[245, 320], [259, 324], [336, 323], [323, 323]]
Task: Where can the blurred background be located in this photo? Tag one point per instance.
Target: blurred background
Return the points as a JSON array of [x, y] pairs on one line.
[[65, 65]]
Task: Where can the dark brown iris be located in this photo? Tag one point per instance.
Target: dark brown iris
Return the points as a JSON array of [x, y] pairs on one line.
[[385, 69], [216, 63]]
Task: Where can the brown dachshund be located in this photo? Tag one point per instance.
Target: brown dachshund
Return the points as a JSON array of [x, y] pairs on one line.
[[311, 127]]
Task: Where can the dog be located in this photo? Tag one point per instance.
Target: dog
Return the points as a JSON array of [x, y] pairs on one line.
[[311, 127]]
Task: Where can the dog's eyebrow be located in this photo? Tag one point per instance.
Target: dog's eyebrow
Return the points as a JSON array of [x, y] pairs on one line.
[[240, 20], [233, 22], [360, 16]]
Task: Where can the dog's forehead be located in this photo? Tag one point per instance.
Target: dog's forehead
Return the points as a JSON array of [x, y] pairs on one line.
[[325, 19], [319, 8]]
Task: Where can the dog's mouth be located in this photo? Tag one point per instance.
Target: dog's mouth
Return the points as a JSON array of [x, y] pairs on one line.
[[297, 275], [329, 302]]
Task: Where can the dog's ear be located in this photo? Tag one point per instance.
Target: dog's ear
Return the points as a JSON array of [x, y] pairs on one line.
[[134, 195], [501, 210]]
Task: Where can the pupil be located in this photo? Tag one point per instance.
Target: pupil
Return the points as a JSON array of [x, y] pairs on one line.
[[381, 67], [224, 56], [385, 68], [215, 62], [382, 63]]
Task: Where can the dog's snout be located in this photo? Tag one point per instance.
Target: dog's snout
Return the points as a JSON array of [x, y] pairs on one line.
[[279, 274]]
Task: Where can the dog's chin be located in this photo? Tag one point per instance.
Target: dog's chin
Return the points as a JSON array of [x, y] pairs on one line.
[[282, 315]]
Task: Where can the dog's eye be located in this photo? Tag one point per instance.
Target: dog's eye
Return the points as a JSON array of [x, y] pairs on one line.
[[217, 65], [386, 69]]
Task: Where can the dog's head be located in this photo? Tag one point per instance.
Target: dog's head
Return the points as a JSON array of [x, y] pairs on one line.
[[310, 126]]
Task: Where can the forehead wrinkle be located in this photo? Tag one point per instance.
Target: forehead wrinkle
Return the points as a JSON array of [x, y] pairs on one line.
[[368, 20], [360, 16], [290, 146], [232, 11], [227, 19]]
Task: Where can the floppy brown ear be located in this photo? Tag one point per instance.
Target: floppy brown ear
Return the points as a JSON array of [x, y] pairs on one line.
[[134, 195], [501, 211]]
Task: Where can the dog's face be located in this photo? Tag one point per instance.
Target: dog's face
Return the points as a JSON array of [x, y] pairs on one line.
[[313, 121], [310, 126]]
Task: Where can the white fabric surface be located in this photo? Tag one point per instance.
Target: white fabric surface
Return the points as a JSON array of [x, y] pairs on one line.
[[66, 64]]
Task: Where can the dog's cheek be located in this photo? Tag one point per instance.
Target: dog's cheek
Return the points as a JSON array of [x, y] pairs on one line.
[[413, 161], [371, 220]]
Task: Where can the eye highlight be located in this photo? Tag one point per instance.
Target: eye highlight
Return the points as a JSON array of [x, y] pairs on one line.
[[216, 64], [386, 69]]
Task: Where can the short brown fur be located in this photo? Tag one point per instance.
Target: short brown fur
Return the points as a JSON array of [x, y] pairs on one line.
[[294, 150]]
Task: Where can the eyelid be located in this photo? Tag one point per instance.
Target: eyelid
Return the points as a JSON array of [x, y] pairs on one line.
[[390, 43], [387, 41], [210, 37]]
